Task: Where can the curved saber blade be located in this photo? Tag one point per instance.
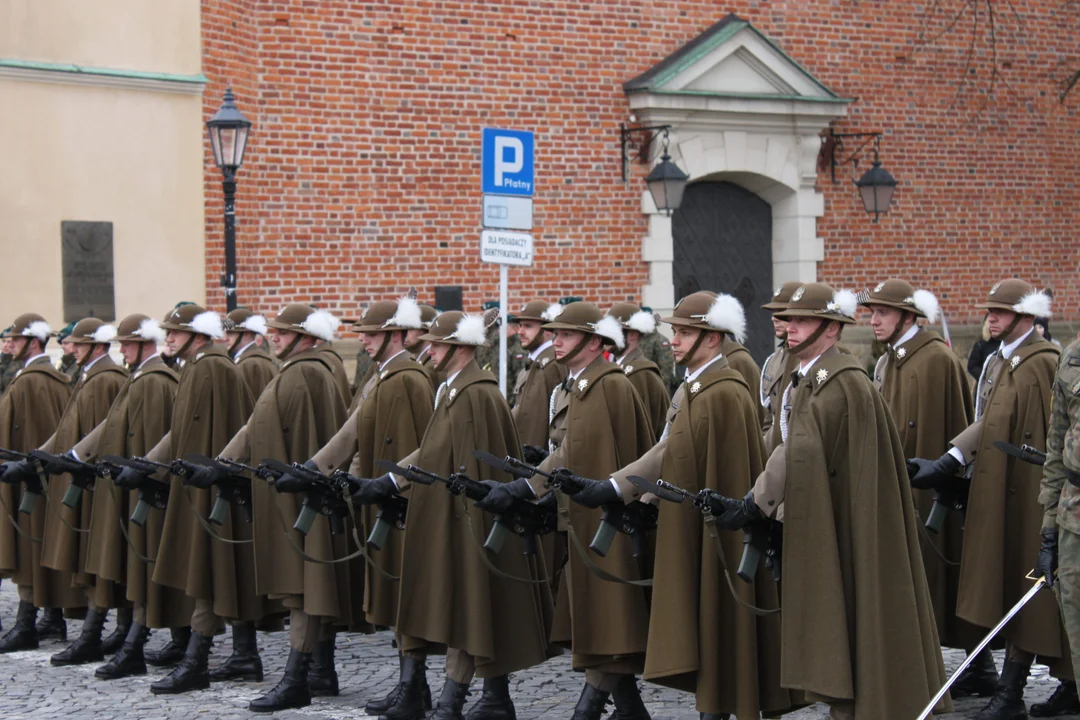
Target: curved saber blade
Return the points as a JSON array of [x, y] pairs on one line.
[[985, 641]]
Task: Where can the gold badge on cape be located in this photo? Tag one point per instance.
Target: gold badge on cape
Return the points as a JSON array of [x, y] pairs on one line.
[[383, 374], [1015, 361], [822, 375], [901, 353], [544, 362], [628, 369], [582, 385], [695, 387], [453, 393]]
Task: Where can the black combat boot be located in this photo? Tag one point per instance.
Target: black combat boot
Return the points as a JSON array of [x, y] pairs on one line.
[[714, 716], [128, 660], [191, 673], [378, 707], [322, 678], [409, 703], [173, 652], [244, 663], [52, 624], [979, 679], [1063, 702], [88, 647], [451, 701], [291, 691], [627, 697], [590, 706], [118, 636], [1008, 703], [494, 702], [22, 635]]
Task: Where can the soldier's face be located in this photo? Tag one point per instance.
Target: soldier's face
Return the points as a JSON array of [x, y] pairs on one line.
[[16, 345], [413, 336], [565, 341], [884, 320], [81, 352], [998, 320], [682, 341], [280, 339], [232, 336], [779, 328], [129, 350], [799, 329], [175, 341], [68, 347], [527, 330], [371, 342], [6, 346], [438, 352]]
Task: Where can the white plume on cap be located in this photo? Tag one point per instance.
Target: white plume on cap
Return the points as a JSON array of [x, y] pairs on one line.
[[471, 330], [553, 311], [151, 330], [104, 334], [927, 303], [208, 323], [609, 327], [643, 322], [256, 324], [407, 314], [844, 302], [1035, 303], [321, 324], [727, 313], [38, 329]]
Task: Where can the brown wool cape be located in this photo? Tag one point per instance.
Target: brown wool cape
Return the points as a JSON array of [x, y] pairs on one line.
[[775, 375], [531, 398], [1004, 517], [30, 410], [857, 620], [740, 360], [337, 367], [211, 405], [257, 369], [928, 396], [605, 624], [644, 375], [137, 420], [704, 642], [63, 548], [448, 597]]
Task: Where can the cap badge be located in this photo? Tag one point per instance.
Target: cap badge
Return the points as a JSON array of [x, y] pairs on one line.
[[993, 290], [582, 385], [879, 288], [822, 375], [628, 369], [901, 353], [777, 291], [695, 387], [798, 294], [909, 301], [1015, 361]]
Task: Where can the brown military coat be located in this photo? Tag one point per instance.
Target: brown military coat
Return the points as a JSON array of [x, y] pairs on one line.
[[211, 406], [851, 552], [30, 410], [434, 376], [63, 548], [703, 641], [600, 425], [1004, 517], [644, 375], [367, 381], [257, 369], [926, 390], [532, 395], [448, 597], [775, 374], [337, 366], [741, 361]]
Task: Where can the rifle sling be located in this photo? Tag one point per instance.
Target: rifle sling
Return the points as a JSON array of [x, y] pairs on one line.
[[487, 561], [583, 553], [710, 525]]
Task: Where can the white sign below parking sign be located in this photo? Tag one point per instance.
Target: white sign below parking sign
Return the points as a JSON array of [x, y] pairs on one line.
[[506, 248]]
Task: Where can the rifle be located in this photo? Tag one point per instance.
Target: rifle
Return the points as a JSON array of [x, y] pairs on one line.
[[233, 489], [29, 496], [762, 538], [325, 495], [82, 474], [953, 495], [152, 493], [1025, 452], [634, 519]]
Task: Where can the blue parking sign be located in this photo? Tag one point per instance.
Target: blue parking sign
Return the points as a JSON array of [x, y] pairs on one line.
[[507, 162]]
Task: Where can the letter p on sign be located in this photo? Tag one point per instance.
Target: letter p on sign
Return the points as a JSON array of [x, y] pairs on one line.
[[507, 162]]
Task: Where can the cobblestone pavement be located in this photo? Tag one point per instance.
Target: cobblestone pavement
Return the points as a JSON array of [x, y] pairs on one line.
[[367, 666]]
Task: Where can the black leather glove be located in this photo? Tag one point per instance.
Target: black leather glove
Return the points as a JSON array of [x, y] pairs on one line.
[[504, 496], [201, 476], [65, 463], [289, 483], [130, 478], [932, 473], [1047, 563], [596, 493], [732, 514], [21, 471], [371, 492], [533, 455]]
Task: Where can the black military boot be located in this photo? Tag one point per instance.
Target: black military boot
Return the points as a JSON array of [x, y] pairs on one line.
[[118, 636], [378, 707], [495, 702], [1008, 702], [88, 647], [173, 652], [1064, 701], [52, 624], [22, 635], [590, 706], [979, 679], [244, 663], [409, 702], [191, 673], [627, 697], [713, 716], [322, 678], [128, 660], [451, 701], [291, 691]]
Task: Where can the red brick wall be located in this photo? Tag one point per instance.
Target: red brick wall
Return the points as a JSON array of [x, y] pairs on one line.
[[363, 172]]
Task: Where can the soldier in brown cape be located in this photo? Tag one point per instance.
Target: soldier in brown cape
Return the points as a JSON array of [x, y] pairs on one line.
[[776, 372], [418, 348], [1004, 517], [535, 384], [449, 600], [67, 363], [245, 333], [644, 374], [337, 365], [66, 540], [30, 410], [211, 405], [839, 483], [388, 424], [925, 387], [598, 424], [298, 411], [741, 361]]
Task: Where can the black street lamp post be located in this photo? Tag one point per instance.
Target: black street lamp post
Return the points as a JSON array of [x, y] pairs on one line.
[[228, 138]]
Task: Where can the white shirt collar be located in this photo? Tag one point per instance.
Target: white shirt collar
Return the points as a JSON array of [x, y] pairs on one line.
[[30, 360], [387, 361], [1008, 350], [536, 353], [804, 369], [146, 361], [450, 378], [692, 376], [241, 350], [906, 336], [92, 363]]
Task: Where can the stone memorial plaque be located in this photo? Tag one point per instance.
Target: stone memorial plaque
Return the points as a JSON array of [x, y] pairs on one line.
[[87, 261]]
